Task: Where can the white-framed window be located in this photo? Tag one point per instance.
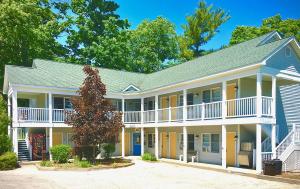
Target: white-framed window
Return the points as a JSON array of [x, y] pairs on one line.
[[67, 139], [288, 51], [210, 142], [151, 140], [191, 142], [211, 95]]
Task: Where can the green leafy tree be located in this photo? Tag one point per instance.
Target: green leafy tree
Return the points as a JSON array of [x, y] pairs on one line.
[[153, 44], [5, 142], [28, 30], [287, 28], [96, 34], [203, 25]]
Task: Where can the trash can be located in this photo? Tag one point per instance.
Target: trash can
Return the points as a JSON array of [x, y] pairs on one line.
[[269, 168], [273, 167], [278, 166]]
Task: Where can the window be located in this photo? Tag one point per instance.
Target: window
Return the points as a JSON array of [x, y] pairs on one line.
[[58, 102], [67, 139], [205, 142], [206, 96], [150, 140], [22, 102], [210, 143], [190, 99], [191, 143], [211, 95], [215, 143], [68, 103], [288, 51], [216, 94]]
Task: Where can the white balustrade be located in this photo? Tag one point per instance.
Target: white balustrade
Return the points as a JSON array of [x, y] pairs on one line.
[[241, 107], [33, 114], [194, 112], [149, 116], [176, 113], [60, 115], [265, 156], [267, 106], [213, 110], [132, 116], [163, 114]]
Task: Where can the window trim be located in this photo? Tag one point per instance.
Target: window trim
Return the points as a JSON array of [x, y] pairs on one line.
[[152, 138], [210, 143], [210, 94]]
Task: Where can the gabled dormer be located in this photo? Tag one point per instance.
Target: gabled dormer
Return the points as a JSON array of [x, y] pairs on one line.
[[131, 88], [274, 36]]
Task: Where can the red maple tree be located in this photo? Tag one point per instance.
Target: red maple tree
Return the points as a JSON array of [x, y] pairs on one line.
[[93, 120]]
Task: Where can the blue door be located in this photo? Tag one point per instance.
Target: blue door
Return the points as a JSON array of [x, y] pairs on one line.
[[136, 144]]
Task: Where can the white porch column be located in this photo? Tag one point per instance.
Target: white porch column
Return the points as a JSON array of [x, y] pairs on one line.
[[50, 107], [9, 115], [224, 146], [142, 110], [273, 107], [156, 108], [184, 105], [15, 140], [258, 149], [142, 141], [224, 97], [258, 94], [14, 106], [156, 143], [185, 144], [50, 140], [123, 110], [123, 142], [273, 140]]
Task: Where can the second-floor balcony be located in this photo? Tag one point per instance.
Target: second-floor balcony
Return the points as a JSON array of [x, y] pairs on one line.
[[234, 108]]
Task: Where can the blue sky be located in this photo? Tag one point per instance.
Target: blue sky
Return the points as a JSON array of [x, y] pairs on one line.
[[250, 12]]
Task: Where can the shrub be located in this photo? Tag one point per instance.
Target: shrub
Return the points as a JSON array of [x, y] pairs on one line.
[[84, 164], [149, 157], [61, 153], [108, 149], [8, 161], [46, 164], [5, 144]]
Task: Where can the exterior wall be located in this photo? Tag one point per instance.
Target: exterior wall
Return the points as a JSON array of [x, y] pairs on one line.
[[146, 148], [282, 62], [59, 134], [248, 87], [287, 109], [36, 100], [288, 103]]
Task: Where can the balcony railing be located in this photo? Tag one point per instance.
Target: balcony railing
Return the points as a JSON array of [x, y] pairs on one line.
[[60, 115], [149, 116], [33, 114], [235, 108], [132, 117]]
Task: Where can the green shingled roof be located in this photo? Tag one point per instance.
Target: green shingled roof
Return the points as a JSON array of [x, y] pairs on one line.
[[55, 74]]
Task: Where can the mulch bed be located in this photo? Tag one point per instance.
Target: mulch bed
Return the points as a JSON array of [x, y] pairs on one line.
[[100, 164]]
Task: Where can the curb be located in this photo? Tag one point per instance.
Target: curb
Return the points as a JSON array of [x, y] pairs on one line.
[[263, 177], [40, 168]]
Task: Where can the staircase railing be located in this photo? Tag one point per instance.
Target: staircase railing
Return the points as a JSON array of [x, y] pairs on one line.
[[286, 142], [266, 145]]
